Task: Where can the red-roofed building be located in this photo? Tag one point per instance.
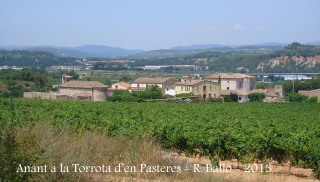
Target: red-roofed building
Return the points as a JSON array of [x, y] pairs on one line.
[[121, 86]]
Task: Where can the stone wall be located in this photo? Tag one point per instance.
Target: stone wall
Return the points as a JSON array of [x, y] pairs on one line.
[[96, 94], [40, 95], [100, 94]]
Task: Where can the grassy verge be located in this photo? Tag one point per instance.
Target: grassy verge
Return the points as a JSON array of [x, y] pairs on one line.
[[44, 145]]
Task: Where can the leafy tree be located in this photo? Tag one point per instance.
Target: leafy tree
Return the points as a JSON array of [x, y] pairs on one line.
[[123, 98], [147, 95], [154, 88], [33, 59], [120, 92], [295, 97], [256, 97], [234, 97], [227, 98], [262, 86]]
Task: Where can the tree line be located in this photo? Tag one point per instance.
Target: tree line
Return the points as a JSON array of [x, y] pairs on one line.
[[33, 59]]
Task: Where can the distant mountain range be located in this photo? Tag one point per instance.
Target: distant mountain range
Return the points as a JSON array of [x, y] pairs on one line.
[[211, 46], [81, 51], [106, 51], [317, 43]]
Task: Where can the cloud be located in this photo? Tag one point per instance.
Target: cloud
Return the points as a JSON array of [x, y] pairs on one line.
[[238, 27]]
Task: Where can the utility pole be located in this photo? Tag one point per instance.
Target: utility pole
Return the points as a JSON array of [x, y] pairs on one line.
[[293, 83]]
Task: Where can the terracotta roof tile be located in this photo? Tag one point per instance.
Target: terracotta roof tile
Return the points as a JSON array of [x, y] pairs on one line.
[[308, 92], [188, 82], [229, 76], [83, 84], [259, 91], [151, 80], [124, 84], [170, 86]]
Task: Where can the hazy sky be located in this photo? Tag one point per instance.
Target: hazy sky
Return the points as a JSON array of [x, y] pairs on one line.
[[156, 24]]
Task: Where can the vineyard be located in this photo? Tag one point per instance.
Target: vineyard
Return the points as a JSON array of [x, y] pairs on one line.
[[253, 131]]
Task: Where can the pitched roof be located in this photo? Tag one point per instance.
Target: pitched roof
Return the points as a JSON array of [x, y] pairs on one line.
[[83, 84], [259, 91], [229, 76], [151, 80], [308, 92], [170, 86], [188, 82], [124, 84]]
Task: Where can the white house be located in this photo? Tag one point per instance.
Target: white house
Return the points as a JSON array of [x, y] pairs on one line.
[[144, 83]]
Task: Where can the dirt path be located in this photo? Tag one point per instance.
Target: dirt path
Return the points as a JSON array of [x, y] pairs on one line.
[[254, 173]]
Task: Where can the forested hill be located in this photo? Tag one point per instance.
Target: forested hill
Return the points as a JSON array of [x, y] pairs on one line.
[[33, 59], [295, 57]]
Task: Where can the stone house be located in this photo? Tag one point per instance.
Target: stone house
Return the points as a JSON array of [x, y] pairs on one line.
[[310, 93], [275, 94], [203, 88], [118, 86], [143, 83], [170, 89], [84, 90], [242, 95], [121, 86], [240, 84], [234, 81]]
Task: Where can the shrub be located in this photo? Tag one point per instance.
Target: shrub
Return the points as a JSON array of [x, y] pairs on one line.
[[120, 92], [184, 95], [123, 98], [256, 97], [227, 98], [147, 95], [295, 97], [168, 96], [312, 99]]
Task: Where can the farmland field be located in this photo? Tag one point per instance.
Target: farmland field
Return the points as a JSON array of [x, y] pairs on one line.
[[221, 131]]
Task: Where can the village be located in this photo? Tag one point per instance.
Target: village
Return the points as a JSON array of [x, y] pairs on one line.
[[214, 86]]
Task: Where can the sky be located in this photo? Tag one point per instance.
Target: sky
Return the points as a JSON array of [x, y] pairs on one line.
[[157, 24]]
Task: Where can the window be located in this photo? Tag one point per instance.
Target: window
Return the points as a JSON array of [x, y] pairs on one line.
[[210, 88], [239, 98], [228, 88], [138, 85], [167, 89], [147, 86], [228, 81], [181, 88], [116, 86], [209, 95]]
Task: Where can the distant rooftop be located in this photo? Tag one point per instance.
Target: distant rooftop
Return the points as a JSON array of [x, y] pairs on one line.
[[188, 82], [83, 84], [229, 76], [151, 80]]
